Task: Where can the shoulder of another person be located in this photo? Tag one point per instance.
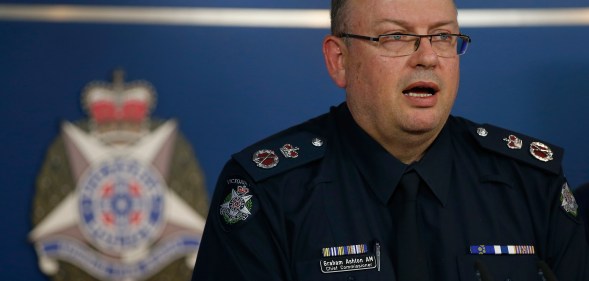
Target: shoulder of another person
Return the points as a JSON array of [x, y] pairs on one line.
[[284, 151], [525, 149]]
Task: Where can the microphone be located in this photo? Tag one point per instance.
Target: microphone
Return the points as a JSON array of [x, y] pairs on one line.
[[482, 272], [545, 272]]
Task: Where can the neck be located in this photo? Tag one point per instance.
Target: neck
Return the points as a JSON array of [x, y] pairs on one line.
[[407, 147], [410, 148]]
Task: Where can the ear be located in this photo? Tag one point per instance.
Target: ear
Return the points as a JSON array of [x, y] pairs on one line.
[[334, 52]]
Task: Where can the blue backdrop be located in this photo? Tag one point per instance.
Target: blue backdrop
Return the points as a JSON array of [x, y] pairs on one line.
[[230, 86]]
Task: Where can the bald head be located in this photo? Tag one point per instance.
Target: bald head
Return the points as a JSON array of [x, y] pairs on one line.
[[339, 16]]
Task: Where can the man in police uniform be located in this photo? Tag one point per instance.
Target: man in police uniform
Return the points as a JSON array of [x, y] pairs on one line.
[[389, 186]]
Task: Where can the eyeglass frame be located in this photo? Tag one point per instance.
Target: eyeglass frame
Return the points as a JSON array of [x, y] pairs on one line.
[[466, 40]]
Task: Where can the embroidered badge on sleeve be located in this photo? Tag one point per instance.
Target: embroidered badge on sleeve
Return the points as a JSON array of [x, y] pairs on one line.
[[239, 203], [567, 200]]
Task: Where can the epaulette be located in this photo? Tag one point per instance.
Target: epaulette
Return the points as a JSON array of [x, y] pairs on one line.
[[281, 153], [518, 146]]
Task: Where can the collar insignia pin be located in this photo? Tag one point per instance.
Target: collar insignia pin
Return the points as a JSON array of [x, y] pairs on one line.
[[289, 151], [265, 159], [541, 151], [317, 142], [513, 142]]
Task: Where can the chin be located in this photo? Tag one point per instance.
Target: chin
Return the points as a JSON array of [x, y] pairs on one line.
[[420, 125]]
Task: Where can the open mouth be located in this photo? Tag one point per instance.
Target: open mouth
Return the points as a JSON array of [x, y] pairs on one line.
[[421, 90]]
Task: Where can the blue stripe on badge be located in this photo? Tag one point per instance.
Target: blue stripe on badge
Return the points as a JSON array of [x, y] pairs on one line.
[[502, 250]]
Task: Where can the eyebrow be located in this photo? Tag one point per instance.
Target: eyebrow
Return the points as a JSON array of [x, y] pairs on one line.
[[406, 25]]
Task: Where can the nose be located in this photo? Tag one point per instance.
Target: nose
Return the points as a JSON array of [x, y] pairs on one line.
[[418, 43], [424, 55]]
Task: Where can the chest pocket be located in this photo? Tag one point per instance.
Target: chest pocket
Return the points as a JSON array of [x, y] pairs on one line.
[[500, 267]]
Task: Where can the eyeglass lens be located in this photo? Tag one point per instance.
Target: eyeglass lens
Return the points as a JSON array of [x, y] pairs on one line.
[[444, 45]]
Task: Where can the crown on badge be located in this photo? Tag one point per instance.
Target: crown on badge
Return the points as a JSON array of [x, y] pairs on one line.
[[118, 111]]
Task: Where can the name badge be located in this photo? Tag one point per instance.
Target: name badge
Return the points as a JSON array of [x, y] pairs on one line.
[[350, 263], [349, 258]]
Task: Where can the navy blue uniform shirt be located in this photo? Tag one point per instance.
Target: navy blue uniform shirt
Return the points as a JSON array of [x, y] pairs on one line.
[[313, 203], [582, 196]]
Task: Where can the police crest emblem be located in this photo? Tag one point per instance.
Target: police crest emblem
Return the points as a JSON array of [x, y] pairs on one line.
[[120, 196], [567, 200], [239, 205]]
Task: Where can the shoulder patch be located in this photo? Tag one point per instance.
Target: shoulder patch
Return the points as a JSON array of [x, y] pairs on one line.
[[238, 205], [518, 146], [568, 202], [280, 154]]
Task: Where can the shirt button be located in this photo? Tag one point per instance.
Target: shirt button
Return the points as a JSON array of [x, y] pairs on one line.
[[351, 278], [507, 279]]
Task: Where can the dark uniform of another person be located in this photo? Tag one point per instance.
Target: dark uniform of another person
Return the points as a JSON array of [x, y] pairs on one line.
[[388, 185]]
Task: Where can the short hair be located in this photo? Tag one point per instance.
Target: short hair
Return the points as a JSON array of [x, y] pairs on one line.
[[338, 16]]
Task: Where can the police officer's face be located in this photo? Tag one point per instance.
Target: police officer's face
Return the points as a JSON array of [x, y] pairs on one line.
[[406, 94]]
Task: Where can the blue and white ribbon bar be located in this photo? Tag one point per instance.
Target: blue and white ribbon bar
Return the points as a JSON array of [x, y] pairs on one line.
[[345, 250], [502, 250]]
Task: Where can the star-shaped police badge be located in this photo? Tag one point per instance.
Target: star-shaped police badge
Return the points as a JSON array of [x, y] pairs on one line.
[[238, 205], [567, 200], [120, 196]]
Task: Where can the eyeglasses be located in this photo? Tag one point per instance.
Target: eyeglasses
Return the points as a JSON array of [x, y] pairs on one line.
[[445, 45]]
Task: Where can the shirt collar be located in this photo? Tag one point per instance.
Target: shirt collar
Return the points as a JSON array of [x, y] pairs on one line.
[[435, 168], [382, 172]]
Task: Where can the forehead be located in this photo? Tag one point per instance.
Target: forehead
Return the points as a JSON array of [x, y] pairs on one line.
[[404, 13]]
